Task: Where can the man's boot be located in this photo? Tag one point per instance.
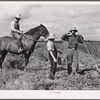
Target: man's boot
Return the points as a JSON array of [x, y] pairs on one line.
[[75, 69], [51, 76], [69, 66]]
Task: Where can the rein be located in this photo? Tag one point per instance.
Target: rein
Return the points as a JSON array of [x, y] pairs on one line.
[[28, 37]]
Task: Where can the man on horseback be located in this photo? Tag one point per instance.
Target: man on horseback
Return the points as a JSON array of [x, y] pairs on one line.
[[16, 32], [72, 56]]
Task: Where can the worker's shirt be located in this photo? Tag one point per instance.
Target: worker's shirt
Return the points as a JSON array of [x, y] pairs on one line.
[[15, 26], [72, 40]]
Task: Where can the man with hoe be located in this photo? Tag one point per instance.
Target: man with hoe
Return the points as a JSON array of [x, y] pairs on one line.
[[72, 57]]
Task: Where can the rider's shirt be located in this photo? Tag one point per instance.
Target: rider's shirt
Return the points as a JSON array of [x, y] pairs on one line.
[[15, 26]]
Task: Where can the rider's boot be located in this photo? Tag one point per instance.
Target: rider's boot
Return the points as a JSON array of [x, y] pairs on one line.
[[20, 49]]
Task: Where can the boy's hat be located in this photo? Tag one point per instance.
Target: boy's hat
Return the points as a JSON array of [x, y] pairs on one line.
[[51, 36]]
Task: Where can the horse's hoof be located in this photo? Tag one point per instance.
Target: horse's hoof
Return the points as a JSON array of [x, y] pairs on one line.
[[25, 69], [0, 70], [99, 73]]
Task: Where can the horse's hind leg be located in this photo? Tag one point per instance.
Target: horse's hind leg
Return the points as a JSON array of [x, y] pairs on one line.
[[3, 54], [26, 60]]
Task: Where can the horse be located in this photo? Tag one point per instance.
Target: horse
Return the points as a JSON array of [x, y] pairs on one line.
[[27, 40]]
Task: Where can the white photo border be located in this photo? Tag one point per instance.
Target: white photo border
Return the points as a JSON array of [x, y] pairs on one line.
[[51, 94]]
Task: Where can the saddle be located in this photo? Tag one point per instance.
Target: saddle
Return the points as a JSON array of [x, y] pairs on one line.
[[18, 42]]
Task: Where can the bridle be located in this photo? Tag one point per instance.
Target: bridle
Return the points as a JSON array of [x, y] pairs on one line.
[[41, 31]]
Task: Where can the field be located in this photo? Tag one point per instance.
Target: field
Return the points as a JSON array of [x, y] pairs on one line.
[[36, 76]]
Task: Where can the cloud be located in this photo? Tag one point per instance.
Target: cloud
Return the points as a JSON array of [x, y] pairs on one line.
[[57, 18], [65, 13], [7, 11], [75, 10]]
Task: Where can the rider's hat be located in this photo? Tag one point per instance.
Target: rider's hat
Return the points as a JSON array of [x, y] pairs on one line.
[[18, 16]]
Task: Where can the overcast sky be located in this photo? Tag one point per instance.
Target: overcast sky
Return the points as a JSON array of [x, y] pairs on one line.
[[58, 18]]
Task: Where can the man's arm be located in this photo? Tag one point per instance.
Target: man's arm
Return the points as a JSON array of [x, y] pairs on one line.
[[81, 39], [20, 29], [51, 53], [65, 37]]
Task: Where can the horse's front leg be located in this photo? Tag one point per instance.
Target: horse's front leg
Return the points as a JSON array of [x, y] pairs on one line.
[[28, 53], [24, 66], [27, 56]]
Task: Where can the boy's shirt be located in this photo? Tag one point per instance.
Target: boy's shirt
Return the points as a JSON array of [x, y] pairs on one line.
[[50, 46]]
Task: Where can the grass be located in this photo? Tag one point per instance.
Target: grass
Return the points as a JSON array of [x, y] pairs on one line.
[[36, 76]]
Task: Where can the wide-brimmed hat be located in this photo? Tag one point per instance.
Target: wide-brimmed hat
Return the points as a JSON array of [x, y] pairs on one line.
[[73, 29], [51, 36], [18, 16]]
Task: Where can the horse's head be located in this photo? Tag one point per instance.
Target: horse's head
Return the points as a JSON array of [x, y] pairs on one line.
[[43, 31]]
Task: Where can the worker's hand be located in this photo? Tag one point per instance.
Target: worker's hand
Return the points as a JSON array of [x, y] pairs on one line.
[[59, 52], [55, 60], [18, 31], [76, 33]]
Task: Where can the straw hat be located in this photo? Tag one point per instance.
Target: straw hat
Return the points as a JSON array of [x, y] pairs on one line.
[[18, 16], [74, 29], [51, 36]]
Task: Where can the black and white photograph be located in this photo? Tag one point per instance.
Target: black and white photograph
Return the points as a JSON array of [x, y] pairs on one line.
[[50, 46]]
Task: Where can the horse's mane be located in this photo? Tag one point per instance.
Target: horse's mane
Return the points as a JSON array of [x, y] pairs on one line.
[[32, 31]]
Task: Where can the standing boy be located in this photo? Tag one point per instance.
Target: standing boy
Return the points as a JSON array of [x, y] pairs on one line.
[[52, 55]]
